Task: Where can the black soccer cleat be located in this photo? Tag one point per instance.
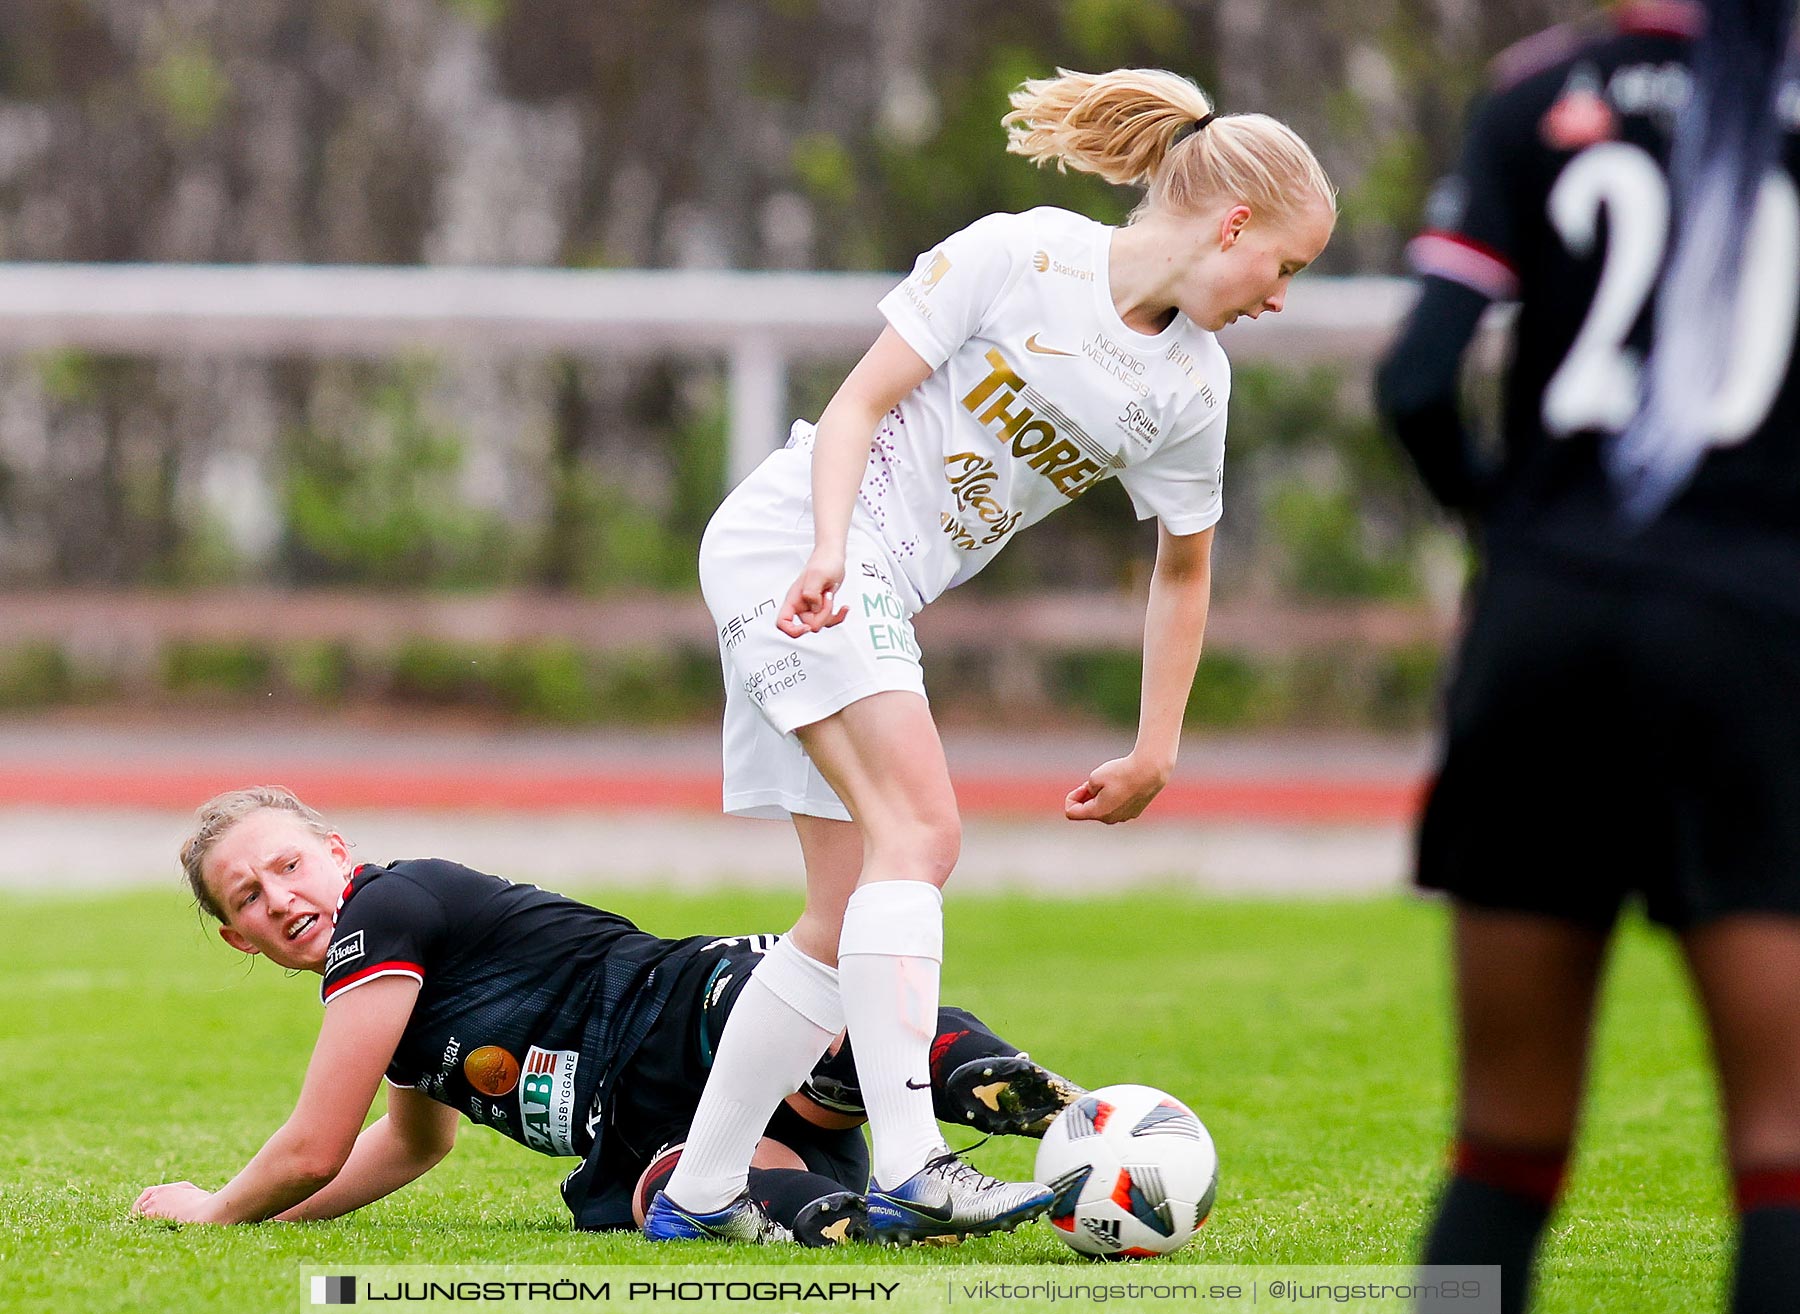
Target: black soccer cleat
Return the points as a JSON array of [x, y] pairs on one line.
[[1007, 1096], [831, 1093], [833, 1220]]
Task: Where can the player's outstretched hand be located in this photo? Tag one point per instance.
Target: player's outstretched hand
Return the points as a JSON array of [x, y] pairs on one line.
[[808, 606], [1115, 791], [178, 1202]]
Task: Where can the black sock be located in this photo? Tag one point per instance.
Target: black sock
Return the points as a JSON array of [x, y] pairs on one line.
[[784, 1192], [1493, 1211], [1481, 1224], [1766, 1274], [961, 1036]]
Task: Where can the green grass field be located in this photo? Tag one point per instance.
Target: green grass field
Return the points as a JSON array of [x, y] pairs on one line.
[[1311, 1037]]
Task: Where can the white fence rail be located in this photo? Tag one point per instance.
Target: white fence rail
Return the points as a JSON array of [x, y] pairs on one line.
[[758, 321]]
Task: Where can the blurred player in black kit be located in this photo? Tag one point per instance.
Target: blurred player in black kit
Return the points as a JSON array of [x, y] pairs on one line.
[[1625, 716]]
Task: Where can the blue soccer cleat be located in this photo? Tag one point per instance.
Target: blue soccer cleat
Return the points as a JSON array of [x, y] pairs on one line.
[[741, 1220], [948, 1198]]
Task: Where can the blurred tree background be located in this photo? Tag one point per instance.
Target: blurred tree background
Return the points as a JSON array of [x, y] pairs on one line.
[[759, 134]]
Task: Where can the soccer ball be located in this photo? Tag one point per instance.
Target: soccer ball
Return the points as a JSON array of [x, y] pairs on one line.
[[1134, 1173]]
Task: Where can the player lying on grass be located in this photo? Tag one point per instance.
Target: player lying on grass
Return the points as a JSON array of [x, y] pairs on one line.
[[559, 1025]]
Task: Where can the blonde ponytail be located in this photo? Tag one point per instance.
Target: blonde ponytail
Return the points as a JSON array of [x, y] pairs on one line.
[[1119, 125], [1142, 127]]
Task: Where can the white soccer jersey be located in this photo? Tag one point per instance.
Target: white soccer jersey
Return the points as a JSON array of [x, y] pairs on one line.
[[1038, 392]]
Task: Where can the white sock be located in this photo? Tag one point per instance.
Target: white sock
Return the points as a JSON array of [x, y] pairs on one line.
[[789, 1011], [889, 962]]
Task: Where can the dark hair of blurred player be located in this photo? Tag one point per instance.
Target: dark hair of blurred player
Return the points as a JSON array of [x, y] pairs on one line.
[[1625, 716]]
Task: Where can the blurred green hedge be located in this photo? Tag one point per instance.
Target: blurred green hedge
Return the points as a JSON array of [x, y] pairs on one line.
[[557, 683]]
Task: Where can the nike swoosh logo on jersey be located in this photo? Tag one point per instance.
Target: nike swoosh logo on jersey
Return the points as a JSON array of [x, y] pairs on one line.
[[1032, 344], [917, 1085]]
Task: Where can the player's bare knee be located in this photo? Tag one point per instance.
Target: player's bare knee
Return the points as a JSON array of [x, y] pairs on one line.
[[943, 848], [929, 853]]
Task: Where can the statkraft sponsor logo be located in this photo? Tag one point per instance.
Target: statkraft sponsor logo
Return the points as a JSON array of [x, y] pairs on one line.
[[547, 1100], [1045, 263]]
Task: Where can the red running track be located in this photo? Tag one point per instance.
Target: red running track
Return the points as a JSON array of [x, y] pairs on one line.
[[513, 788]]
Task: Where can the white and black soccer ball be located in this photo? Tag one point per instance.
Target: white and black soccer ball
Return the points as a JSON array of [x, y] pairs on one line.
[[1134, 1172]]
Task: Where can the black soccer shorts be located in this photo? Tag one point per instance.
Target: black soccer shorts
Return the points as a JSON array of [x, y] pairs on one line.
[[1606, 739], [654, 1102]]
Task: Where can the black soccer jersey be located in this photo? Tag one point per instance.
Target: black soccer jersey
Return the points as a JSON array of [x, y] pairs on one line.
[[1561, 202], [528, 1001]]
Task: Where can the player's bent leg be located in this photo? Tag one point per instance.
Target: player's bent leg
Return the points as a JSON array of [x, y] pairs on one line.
[[842, 1153], [1525, 1000], [883, 758], [1747, 972], [779, 1024]]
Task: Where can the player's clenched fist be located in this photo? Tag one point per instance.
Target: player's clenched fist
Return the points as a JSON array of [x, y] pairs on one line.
[[1115, 791]]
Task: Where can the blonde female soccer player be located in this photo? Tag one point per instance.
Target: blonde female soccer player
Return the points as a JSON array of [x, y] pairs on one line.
[[1027, 357]]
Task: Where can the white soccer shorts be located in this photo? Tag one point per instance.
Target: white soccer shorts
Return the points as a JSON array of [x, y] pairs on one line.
[[752, 553]]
